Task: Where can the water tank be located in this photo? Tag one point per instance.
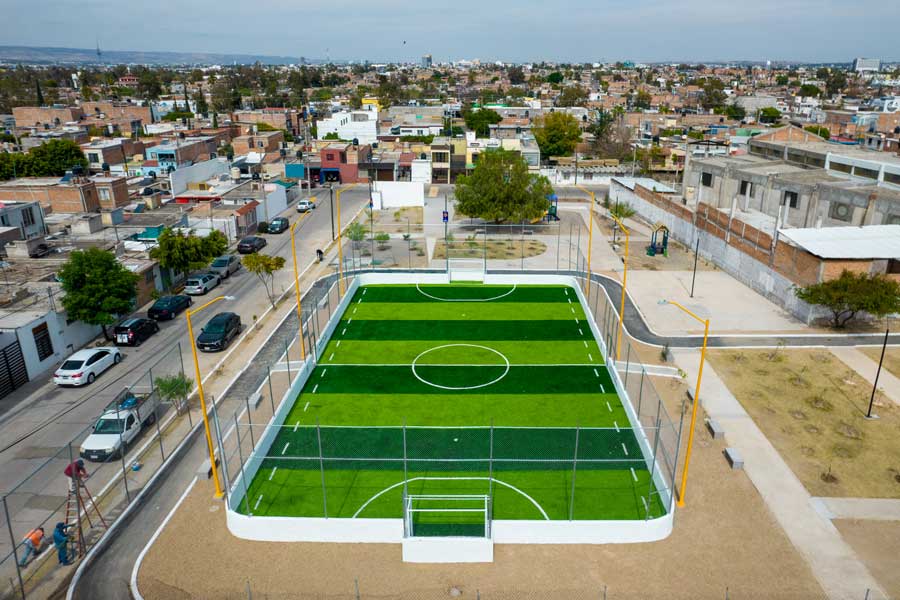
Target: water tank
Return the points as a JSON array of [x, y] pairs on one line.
[[235, 173]]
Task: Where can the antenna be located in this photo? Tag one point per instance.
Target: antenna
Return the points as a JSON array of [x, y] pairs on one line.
[[99, 53]]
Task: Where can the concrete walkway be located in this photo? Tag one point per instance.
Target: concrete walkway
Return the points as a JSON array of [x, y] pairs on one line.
[[888, 384], [833, 562], [874, 509]]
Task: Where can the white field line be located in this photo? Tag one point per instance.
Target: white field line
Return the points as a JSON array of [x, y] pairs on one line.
[[577, 322], [315, 387], [633, 474], [569, 299], [608, 405], [283, 450], [323, 373], [590, 358], [572, 309], [344, 332], [602, 389], [580, 332], [338, 344], [304, 410], [616, 424], [624, 449], [272, 474], [331, 358], [596, 373], [365, 291], [297, 424], [258, 500], [585, 343]]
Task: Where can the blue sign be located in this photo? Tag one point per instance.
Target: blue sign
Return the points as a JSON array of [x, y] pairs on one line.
[[445, 216]]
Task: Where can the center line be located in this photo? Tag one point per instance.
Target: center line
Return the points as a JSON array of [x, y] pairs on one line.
[[297, 424], [283, 450], [323, 373], [315, 387], [304, 410], [271, 475], [255, 506], [624, 449]]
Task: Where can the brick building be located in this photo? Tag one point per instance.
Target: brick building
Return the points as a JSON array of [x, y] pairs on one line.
[[289, 119], [112, 192], [75, 195], [49, 116], [262, 142], [112, 151]]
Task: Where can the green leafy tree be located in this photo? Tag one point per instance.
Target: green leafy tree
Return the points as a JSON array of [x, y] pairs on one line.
[[264, 267], [555, 77], [820, 131], [177, 115], [642, 99], [357, 233], [782, 80], [854, 293], [836, 82], [713, 93], [501, 189], [557, 134], [735, 111], [480, 120], [573, 95], [182, 253], [808, 90], [174, 388], [200, 102], [621, 210], [516, 75], [769, 114], [50, 159], [98, 288]]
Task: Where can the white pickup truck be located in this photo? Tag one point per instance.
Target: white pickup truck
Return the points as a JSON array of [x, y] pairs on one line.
[[119, 425]]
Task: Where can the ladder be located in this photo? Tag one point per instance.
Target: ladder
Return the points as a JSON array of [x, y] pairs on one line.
[[79, 503]]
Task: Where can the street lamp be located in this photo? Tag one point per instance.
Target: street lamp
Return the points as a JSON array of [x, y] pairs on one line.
[[209, 443], [587, 289], [624, 281], [297, 290], [340, 241], [690, 444]]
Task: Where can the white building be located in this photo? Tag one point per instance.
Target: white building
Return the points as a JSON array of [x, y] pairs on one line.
[[360, 125], [862, 65]]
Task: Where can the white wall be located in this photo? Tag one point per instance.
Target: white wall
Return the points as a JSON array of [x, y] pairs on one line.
[[66, 339], [398, 194], [346, 128], [420, 172], [202, 171], [273, 204]]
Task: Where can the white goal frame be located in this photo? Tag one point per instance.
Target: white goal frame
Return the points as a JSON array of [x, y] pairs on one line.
[[466, 269], [441, 501]]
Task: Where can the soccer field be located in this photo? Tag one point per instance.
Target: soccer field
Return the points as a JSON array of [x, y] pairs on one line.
[[458, 389]]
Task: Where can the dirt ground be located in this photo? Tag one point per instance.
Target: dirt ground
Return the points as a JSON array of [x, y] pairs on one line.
[[724, 538], [812, 408], [393, 220], [891, 358], [877, 543], [680, 258]]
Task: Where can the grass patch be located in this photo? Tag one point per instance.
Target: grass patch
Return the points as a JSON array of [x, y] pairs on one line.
[[496, 249], [812, 407]]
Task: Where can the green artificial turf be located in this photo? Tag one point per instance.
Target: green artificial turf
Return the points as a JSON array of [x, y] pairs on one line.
[[497, 383]]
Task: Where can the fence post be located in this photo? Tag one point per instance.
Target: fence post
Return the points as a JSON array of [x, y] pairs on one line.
[[652, 465], [122, 455], [523, 246], [287, 360], [162, 452], [405, 470], [237, 432], [221, 443], [640, 392], [322, 468], [578, 252], [12, 540], [271, 393], [491, 462], [574, 471], [558, 240], [356, 583]]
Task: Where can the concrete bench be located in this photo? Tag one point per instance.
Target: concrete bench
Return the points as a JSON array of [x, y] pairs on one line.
[[205, 469], [734, 458], [715, 429]]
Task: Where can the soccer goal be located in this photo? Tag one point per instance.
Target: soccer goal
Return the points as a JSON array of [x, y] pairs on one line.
[[429, 516], [466, 269]]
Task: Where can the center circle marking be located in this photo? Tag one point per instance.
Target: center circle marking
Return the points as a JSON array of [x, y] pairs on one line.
[[465, 387]]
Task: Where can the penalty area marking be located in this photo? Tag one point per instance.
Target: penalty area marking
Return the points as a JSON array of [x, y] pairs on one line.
[[465, 387], [497, 481], [427, 295]]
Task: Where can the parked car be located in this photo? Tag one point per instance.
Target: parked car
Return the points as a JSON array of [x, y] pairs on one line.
[[133, 332], [219, 332], [197, 285], [311, 184], [305, 205], [168, 307], [224, 266], [119, 425], [278, 224], [251, 244], [84, 366]]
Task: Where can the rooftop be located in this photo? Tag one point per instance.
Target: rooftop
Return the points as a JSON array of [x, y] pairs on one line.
[[869, 242]]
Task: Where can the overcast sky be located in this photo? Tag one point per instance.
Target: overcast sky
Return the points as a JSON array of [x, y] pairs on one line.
[[520, 30]]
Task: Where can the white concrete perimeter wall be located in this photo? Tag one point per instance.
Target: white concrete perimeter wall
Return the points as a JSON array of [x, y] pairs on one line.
[[399, 194], [298, 529]]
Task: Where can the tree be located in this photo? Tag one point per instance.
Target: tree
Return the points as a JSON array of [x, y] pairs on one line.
[[357, 233], [819, 130], [516, 75], [175, 389], [573, 95], [782, 80], [713, 93], [555, 77], [264, 267], [557, 134], [501, 189], [642, 99], [808, 90], [836, 82], [480, 120], [183, 253], [39, 96], [853, 293], [769, 114], [200, 104], [735, 111], [50, 159], [98, 287], [621, 211]]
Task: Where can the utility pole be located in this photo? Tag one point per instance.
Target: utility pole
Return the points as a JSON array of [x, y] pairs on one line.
[[887, 332], [331, 207]]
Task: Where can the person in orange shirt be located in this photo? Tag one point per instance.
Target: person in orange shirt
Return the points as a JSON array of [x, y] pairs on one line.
[[32, 542]]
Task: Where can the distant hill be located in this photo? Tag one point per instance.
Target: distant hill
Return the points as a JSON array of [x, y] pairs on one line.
[[45, 55]]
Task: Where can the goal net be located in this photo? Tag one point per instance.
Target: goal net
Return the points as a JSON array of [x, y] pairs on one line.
[[466, 269], [448, 515]]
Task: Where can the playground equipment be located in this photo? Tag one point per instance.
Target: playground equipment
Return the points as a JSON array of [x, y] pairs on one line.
[[659, 241], [550, 214]]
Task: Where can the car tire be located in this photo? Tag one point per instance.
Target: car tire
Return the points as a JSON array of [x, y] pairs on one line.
[[116, 359], [91, 378]]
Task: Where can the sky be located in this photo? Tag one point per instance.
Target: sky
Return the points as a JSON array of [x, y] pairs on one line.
[[491, 30]]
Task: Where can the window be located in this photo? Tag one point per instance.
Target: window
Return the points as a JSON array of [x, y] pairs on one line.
[[706, 179], [93, 157], [893, 266], [104, 194], [28, 216], [343, 157], [588, 176], [42, 341], [841, 212], [4, 220], [329, 156], [746, 189], [790, 199]]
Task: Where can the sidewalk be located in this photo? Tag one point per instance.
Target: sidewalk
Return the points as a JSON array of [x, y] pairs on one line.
[[872, 509], [866, 367], [833, 562]]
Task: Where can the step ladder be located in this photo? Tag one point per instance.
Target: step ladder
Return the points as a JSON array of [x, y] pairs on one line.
[[79, 504]]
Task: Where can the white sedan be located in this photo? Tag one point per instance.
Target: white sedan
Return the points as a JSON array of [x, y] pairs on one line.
[[84, 366]]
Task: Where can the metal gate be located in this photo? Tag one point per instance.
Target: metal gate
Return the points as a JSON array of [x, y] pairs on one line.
[[13, 373]]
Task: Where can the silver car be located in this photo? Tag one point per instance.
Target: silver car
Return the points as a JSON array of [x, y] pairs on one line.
[[197, 285], [224, 266]]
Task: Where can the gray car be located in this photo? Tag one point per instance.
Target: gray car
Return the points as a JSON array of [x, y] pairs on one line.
[[224, 266]]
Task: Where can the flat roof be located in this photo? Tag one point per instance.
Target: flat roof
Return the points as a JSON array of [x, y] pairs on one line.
[[868, 242], [644, 182]]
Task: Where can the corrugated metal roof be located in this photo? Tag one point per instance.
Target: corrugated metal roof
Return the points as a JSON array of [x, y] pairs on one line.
[[869, 242]]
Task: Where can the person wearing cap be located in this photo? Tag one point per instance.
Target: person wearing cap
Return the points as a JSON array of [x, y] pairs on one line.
[[61, 542], [32, 542]]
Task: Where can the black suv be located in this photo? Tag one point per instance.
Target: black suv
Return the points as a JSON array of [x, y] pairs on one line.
[[277, 225], [219, 332], [133, 332]]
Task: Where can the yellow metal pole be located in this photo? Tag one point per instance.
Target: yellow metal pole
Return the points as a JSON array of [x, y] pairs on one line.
[[209, 443], [297, 291], [339, 241], [690, 444], [624, 282]]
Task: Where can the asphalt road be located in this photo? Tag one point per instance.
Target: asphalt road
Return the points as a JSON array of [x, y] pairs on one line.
[[38, 420]]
